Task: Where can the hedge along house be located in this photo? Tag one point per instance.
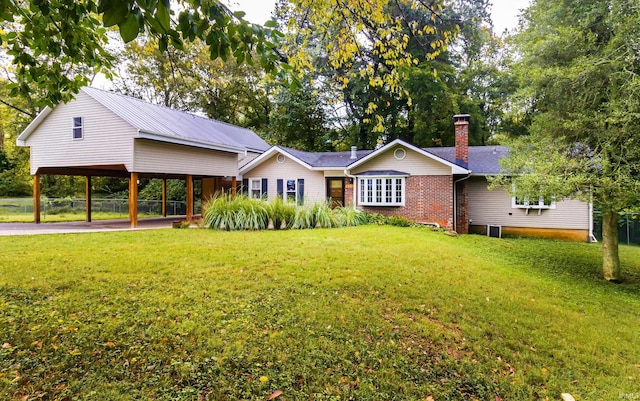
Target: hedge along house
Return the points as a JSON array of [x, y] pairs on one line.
[[106, 134], [446, 186]]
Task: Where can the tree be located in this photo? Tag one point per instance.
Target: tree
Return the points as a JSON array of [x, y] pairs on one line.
[[580, 87], [189, 80], [58, 45]]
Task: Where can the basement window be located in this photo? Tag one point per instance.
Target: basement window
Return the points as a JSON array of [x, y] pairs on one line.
[[77, 129], [526, 202]]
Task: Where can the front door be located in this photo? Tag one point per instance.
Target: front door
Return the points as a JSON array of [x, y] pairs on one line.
[[335, 191]]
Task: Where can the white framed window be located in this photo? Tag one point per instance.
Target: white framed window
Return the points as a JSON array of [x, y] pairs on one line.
[[77, 129], [526, 202], [291, 191], [381, 191], [255, 188]]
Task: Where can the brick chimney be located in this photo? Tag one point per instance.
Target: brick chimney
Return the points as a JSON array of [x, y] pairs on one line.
[[461, 123]]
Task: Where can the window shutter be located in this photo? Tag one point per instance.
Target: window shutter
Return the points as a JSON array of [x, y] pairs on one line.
[[280, 188], [245, 186], [265, 182], [300, 191]]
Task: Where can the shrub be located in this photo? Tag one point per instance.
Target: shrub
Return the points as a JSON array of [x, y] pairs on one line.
[[346, 217], [400, 221], [281, 213], [225, 212]]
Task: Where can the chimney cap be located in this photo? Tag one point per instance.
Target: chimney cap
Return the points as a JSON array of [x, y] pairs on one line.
[[461, 118]]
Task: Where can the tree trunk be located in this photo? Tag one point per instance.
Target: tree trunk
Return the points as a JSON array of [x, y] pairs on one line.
[[610, 258]]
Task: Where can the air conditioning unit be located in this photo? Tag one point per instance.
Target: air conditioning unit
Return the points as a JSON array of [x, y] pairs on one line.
[[494, 231]]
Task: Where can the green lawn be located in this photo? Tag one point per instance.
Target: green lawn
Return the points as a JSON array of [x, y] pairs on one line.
[[365, 313]]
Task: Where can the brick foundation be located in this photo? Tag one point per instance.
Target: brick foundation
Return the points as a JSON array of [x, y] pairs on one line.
[[428, 199]]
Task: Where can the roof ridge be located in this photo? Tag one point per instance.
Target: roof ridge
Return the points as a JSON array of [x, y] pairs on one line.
[[189, 113]]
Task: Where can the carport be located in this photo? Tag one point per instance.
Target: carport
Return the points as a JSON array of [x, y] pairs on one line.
[[104, 134]]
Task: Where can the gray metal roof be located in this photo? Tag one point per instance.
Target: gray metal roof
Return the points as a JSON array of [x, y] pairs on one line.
[[160, 120], [483, 160], [326, 159]]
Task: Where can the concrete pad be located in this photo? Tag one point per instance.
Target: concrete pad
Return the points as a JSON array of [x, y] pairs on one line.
[[7, 229]]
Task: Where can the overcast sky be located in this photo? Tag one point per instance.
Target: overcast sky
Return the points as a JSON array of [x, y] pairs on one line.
[[504, 14]]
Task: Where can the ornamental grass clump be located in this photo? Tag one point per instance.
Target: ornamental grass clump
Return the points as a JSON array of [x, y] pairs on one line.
[[225, 212], [282, 214], [349, 216]]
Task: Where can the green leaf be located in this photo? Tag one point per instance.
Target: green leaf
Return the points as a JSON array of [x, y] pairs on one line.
[[114, 15], [129, 28], [239, 14], [162, 14], [271, 24]]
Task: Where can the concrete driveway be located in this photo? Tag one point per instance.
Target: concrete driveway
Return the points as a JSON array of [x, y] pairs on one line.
[[84, 227]]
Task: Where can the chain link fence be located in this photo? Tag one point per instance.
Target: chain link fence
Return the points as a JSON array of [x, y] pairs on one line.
[[628, 227], [115, 207]]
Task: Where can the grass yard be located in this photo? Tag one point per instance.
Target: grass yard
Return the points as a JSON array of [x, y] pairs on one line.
[[365, 313]]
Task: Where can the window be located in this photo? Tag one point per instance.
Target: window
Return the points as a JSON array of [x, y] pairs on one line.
[[526, 202], [255, 188], [292, 193], [291, 190], [381, 191], [77, 128]]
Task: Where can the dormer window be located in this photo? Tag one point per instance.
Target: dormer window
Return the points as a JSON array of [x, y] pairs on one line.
[[77, 128]]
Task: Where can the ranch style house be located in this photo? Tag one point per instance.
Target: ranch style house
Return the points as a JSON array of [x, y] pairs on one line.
[[101, 133]]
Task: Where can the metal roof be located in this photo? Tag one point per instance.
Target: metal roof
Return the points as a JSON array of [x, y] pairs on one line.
[[167, 122]]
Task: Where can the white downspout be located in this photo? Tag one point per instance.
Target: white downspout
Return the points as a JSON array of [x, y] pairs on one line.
[[355, 192], [455, 199]]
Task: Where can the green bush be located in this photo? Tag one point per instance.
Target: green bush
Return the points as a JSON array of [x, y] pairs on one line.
[[400, 221], [349, 216], [225, 212], [282, 214]]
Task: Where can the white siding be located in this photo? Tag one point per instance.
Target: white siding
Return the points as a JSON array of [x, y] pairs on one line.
[[414, 163], [107, 139], [167, 158], [494, 207], [314, 182], [246, 159]]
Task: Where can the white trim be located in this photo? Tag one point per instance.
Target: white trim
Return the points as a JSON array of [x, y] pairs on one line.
[[266, 155], [395, 154], [74, 127], [188, 142], [250, 189], [532, 205], [21, 140], [363, 191], [455, 169]]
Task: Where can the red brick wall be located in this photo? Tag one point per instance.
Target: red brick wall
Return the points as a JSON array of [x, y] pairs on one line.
[[462, 208], [349, 183], [462, 141], [429, 198]]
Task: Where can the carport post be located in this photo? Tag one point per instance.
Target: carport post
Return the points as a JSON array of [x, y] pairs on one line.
[[133, 200], [233, 187], [164, 197], [87, 189], [189, 197], [36, 199]]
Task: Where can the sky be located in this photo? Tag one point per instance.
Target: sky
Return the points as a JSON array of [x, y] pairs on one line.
[[504, 13]]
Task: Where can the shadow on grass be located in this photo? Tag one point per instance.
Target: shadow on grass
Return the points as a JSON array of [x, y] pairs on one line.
[[573, 262]]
